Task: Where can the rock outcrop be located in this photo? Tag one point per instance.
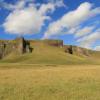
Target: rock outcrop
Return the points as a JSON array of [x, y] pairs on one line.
[[19, 45], [22, 45], [76, 50]]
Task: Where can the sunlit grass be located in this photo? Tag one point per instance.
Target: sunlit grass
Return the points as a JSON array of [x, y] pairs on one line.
[[46, 82]]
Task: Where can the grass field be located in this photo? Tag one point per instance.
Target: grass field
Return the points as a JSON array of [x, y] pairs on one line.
[[49, 82]]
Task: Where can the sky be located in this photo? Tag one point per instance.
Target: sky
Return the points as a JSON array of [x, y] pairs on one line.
[[76, 22]]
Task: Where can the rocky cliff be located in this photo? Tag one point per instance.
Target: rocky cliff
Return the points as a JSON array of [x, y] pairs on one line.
[[76, 50], [21, 46]]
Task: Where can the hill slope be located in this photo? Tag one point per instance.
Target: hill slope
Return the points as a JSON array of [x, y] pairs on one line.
[[48, 52]]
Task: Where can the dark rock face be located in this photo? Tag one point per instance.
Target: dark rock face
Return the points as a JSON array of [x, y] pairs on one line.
[[68, 49], [22, 46]]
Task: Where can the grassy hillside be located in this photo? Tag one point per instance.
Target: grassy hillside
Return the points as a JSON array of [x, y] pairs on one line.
[[49, 73], [43, 53]]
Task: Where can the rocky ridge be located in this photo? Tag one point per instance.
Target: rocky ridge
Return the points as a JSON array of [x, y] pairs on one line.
[[21, 46]]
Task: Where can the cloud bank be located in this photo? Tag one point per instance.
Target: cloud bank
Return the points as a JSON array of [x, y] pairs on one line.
[[27, 19], [72, 19], [71, 23]]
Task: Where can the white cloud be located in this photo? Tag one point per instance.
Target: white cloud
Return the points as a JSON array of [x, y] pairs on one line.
[[58, 3], [8, 6], [84, 31], [97, 48], [88, 40], [27, 20], [46, 8], [95, 11], [71, 19], [21, 3], [18, 5], [24, 21]]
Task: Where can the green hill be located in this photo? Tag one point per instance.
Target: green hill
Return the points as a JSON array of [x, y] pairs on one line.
[[53, 52]]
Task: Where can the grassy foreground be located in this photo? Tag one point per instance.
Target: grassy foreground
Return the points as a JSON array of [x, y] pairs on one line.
[[65, 82]]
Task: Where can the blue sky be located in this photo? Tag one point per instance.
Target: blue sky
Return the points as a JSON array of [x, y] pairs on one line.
[[76, 22]]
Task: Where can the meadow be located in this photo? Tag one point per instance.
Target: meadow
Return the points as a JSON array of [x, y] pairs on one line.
[[49, 82]]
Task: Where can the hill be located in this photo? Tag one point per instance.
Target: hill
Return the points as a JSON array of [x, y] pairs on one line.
[[45, 52]]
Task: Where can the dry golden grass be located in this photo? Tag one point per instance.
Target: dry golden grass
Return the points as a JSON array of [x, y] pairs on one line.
[[50, 83]]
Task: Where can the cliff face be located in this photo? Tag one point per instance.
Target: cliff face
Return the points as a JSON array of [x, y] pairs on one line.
[[76, 50], [21, 46], [73, 50]]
